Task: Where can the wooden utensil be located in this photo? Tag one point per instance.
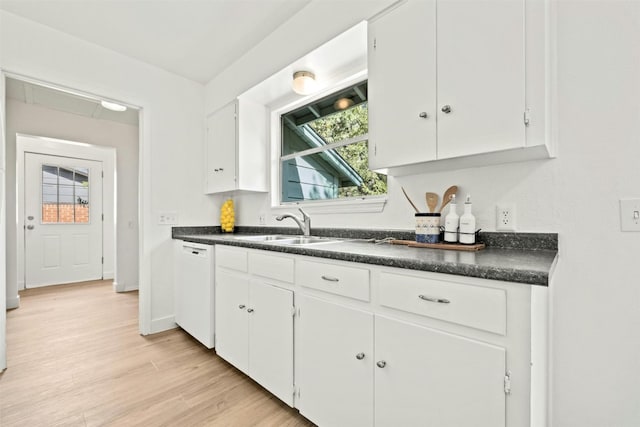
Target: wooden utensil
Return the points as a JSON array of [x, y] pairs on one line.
[[432, 201], [407, 196], [446, 197]]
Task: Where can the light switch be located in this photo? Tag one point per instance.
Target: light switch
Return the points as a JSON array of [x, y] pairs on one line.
[[630, 214], [168, 218]]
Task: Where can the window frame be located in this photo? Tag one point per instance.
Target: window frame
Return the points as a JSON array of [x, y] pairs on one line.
[[361, 204]]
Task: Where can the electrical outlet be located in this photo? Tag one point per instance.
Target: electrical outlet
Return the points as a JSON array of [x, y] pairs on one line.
[[262, 219], [506, 217]]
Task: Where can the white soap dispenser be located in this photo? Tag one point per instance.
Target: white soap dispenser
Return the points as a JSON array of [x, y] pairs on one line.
[[467, 224], [451, 222]]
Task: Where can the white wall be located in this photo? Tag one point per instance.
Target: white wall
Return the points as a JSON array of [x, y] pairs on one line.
[[171, 137], [595, 295], [36, 120]]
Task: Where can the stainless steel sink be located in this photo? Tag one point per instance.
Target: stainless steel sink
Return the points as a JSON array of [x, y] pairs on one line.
[[288, 239], [269, 238], [308, 240]]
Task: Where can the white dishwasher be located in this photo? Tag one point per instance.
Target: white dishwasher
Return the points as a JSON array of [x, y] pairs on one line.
[[194, 292]]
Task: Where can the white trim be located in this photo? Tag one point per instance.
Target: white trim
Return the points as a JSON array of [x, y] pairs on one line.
[[334, 206], [162, 324], [13, 302], [108, 275], [338, 82]]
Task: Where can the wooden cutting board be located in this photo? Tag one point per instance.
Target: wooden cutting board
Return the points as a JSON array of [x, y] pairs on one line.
[[449, 246]]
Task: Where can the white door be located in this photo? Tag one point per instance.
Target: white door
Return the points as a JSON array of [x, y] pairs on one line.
[[402, 86], [427, 377], [271, 338], [481, 76], [221, 149], [231, 319], [335, 364], [63, 220]]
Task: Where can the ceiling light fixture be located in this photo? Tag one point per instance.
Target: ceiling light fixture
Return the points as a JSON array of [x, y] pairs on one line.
[[113, 106], [343, 103], [304, 82]]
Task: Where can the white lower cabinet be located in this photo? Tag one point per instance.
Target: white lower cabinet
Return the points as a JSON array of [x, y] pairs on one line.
[[232, 321], [421, 376], [424, 377], [379, 346], [255, 326], [335, 354]]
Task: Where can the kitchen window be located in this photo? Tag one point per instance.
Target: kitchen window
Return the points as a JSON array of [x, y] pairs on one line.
[[324, 152]]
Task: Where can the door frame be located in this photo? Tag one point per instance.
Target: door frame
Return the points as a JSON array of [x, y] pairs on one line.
[[63, 148]]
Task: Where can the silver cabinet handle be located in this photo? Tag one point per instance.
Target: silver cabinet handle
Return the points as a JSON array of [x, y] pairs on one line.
[[381, 364], [249, 310], [241, 306], [433, 299], [423, 115], [30, 227], [360, 356], [330, 279], [446, 109]]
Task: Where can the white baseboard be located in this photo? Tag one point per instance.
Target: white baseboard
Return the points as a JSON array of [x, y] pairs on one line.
[[20, 285], [123, 287], [162, 324], [13, 302], [107, 275]]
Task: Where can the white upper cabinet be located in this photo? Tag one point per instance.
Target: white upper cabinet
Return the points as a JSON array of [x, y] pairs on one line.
[[402, 95], [237, 148], [481, 76], [457, 79]]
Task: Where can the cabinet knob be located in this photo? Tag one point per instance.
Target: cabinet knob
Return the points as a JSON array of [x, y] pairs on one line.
[[446, 109], [381, 364], [249, 310], [30, 227], [360, 356], [241, 306], [423, 115]]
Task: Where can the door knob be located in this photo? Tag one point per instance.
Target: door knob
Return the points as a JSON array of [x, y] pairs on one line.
[[446, 109], [30, 227]]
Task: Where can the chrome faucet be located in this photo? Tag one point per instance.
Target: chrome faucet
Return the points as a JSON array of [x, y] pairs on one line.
[[304, 223]]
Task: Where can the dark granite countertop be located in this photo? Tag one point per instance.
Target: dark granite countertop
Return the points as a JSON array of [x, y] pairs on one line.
[[523, 257]]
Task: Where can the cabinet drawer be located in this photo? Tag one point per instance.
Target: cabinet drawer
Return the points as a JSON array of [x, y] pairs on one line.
[[232, 258], [480, 308], [271, 266], [350, 282]]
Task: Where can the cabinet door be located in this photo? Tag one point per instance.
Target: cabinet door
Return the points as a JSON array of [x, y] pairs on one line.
[[402, 86], [221, 149], [481, 76], [436, 379], [271, 338], [232, 323], [335, 363]]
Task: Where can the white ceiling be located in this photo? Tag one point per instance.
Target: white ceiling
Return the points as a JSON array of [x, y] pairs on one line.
[[31, 93], [196, 39]]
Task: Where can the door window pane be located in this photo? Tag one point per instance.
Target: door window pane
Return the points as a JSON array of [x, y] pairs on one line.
[[65, 195]]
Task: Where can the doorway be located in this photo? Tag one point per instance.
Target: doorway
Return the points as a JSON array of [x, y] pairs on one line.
[[66, 215], [63, 220]]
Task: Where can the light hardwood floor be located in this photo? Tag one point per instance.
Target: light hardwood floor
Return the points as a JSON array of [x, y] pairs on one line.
[[75, 358]]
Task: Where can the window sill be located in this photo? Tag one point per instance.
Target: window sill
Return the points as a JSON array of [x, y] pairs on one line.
[[363, 205]]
